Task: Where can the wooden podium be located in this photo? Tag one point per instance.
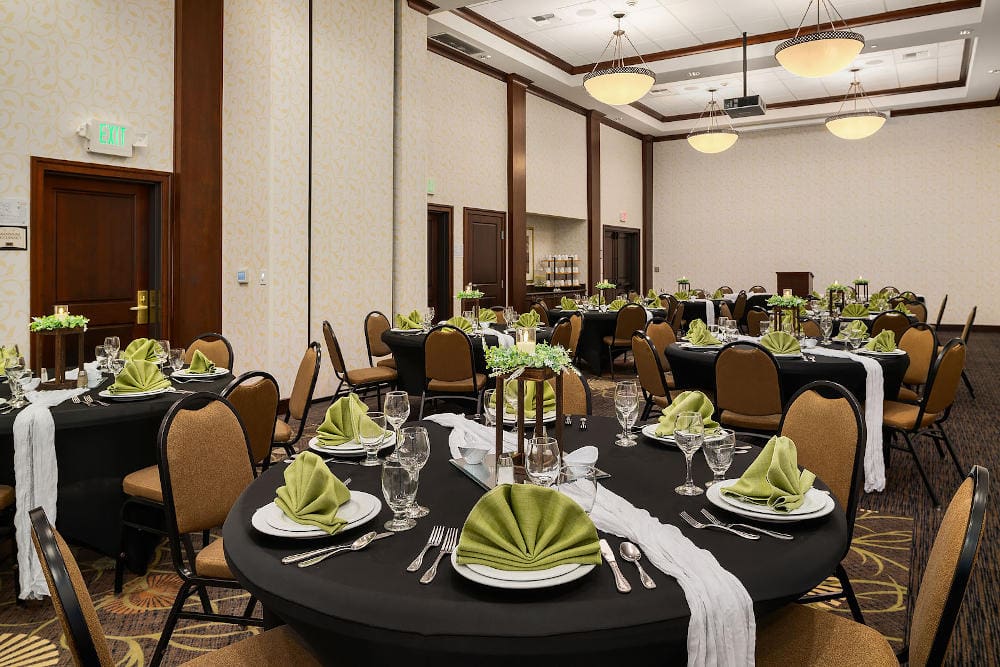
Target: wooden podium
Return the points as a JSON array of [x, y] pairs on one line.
[[800, 282]]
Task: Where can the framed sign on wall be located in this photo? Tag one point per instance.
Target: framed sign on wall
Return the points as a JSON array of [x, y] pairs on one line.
[[13, 238]]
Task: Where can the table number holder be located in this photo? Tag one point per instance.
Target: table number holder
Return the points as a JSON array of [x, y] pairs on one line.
[[527, 375], [60, 335]]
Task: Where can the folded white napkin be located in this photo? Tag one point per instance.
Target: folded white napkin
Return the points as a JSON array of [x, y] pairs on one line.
[[584, 456], [503, 339], [467, 433], [709, 310]]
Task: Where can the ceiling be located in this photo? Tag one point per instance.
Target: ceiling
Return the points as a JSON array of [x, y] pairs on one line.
[[938, 54]]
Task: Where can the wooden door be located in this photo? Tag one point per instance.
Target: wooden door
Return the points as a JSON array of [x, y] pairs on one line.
[[621, 257], [440, 271], [91, 250], [485, 258]]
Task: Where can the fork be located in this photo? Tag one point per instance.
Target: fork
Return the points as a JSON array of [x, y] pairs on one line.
[[694, 523], [450, 542], [76, 399], [89, 400], [762, 531], [434, 540]]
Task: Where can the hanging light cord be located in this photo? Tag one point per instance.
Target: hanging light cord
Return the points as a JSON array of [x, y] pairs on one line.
[[713, 112], [855, 92], [617, 53], [830, 11]]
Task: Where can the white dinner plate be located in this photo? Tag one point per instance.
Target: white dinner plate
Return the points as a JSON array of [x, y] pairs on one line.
[[689, 346], [786, 355], [406, 331], [360, 509], [649, 430], [186, 373], [509, 579], [134, 396], [894, 353], [547, 418], [349, 448], [523, 575], [817, 503]]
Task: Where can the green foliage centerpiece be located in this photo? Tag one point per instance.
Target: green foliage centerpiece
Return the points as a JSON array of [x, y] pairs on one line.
[[58, 326], [602, 287], [470, 296], [786, 309]]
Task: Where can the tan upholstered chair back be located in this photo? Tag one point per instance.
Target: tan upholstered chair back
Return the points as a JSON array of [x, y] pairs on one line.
[[724, 311], [677, 321], [662, 335], [305, 382], [948, 570], [255, 397], [699, 294], [740, 306], [920, 345], [647, 364], [70, 596], [375, 325], [562, 333], [969, 321], [754, 318], [811, 329], [746, 381], [940, 315], [499, 313], [919, 311], [543, 313], [576, 397], [215, 348], [726, 289], [670, 302], [448, 355], [205, 462], [758, 289], [944, 378], [576, 327], [631, 317], [333, 349]]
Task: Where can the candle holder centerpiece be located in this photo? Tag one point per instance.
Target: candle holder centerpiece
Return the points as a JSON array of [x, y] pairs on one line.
[[59, 325], [861, 289], [683, 284], [605, 290], [785, 309], [836, 296], [469, 300]]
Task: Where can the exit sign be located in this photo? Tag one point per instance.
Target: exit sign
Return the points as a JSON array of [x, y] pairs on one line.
[[108, 138]]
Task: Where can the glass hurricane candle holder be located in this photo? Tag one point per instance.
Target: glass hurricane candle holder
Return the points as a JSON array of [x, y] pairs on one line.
[[524, 339]]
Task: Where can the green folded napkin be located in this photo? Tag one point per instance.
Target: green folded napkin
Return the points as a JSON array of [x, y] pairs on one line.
[[884, 341], [200, 363], [510, 396], [654, 299], [717, 294], [487, 315], [312, 494], [144, 349], [774, 479], [779, 342], [412, 321], [529, 319], [856, 326], [461, 323], [5, 354], [854, 310], [139, 375], [527, 527], [595, 300], [901, 307], [689, 401], [698, 334], [338, 427], [682, 296], [567, 303], [617, 304]]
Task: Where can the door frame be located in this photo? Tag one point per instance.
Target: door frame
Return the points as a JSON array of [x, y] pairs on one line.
[[449, 210], [638, 253], [466, 210], [161, 195]]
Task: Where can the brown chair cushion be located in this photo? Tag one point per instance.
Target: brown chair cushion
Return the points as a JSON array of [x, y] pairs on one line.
[[211, 562], [377, 375], [801, 635], [387, 363], [6, 496], [907, 395], [617, 342], [903, 416], [282, 431], [279, 646], [755, 422], [144, 483], [457, 386]]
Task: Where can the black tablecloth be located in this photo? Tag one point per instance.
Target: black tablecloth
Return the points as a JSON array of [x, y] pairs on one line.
[[695, 369], [596, 325], [95, 449], [365, 609]]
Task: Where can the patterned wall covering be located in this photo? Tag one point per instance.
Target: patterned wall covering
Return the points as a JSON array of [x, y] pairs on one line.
[[556, 159], [621, 179], [60, 64], [914, 206]]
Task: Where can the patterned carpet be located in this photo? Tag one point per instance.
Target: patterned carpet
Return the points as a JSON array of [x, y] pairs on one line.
[[892, 539]]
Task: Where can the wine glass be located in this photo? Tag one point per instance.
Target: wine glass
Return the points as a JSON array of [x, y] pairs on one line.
[[163, 353], [413, 450], [765, 327], [397, 410], [490, 406], [718, 451], [627, 410], [369, 432], [177, 358], [112, 346], [541, 460], [731, 331], [100, 355], [689, 434], [579, 482], [826, 326], [854, 338], [399, 487]]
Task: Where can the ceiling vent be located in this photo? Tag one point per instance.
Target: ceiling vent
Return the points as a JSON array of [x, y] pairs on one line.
[[915, 55], [451, 41], [544, 19], [661, 92]]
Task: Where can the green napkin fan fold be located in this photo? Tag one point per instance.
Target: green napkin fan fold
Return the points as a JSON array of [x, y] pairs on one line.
[[312, 495], [139, 375], [567, 303], [412, 321], [461, 323], [884, 341], [529, 319], [200, 363], [774, 479], [142, 349], [688, 401], [854, 310], [780, 342], [338, 426]]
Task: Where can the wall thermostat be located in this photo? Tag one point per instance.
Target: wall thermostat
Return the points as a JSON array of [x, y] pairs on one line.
[[241, 277]]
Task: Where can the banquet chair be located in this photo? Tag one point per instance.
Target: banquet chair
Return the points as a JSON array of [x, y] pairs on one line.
[[810, 329], [358, 380], [577, 399], [85, 636], [377, 324], [802, 635], [576, 328], [205, 463], [890, 290], [677, 319], [966, 332], [926, 417], [698, 294], [748, 387], [891, 320], [740, 310], [300, 401], [255, 396], [543, 313], [631, 317], [561, 332], [755, 316], [498, 310], [662, 336], [920, 344], [670, 303], [450, 367], [655, 383], [944, 302], [725, 289], [215, 346], [758, 289], [825, 422], [7, 533], [724, 311]]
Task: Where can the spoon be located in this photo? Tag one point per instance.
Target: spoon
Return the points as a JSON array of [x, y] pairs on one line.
[[632, 554]]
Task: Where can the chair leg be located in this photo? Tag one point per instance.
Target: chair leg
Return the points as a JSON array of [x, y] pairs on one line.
[[611, 358], [968, 384], [648, 409], [168, 627], [205, 538], [920, 469], [206, 602], [951, 450], [120, 563], [852, 599], [423, 400]]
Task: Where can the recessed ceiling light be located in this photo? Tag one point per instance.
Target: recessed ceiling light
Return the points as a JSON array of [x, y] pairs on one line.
[[585, 12], [694, 73], [873, 46], [484, 56], [872, 63], [965, 33], [995, 70], [691, 88]]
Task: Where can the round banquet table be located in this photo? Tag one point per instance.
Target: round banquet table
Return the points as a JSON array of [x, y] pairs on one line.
[[363, 608], [695, 369], [408, 351], [596, 325]]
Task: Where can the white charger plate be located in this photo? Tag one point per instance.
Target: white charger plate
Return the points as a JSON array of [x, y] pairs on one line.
[[817, 504], [873, 353], [406, 331], [510, 579], [186, 373], [649, 430], [689, 346], [134, 396], [349, 448], [786, 355], [360, 509], [547, 418]]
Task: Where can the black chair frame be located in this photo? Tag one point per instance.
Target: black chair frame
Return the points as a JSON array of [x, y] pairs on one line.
[[648, 408], [249, 375], [612, 348], [360, 390], [289, 446], [368, 343]]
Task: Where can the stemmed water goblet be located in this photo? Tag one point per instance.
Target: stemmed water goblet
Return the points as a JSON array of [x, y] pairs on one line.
[[101, 356], [826, 326], [731, 329], [718, 451], [689, 434], [177, 358], [397, 411], [627, 411], [399, 488], [163, 353], [413, 449], [112, 346], [428, 318], [765, 327], [369, 432], [542, 460], [490, 406]]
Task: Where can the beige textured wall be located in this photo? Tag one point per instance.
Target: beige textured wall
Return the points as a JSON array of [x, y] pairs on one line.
[[62, 63], [556, 159], [914, 206], [559, 236], [621, 180]]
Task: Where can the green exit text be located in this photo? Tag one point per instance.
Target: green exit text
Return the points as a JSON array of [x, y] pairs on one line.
[[111, 135]]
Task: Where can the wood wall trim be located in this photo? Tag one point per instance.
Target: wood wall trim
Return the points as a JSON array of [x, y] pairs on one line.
[[468, 61], [647, 212], [196, 303], [549, 96], [512, 38], [448, 210], [594, 236], [517, 191], [615, 125], [421, 6], [962, 106]]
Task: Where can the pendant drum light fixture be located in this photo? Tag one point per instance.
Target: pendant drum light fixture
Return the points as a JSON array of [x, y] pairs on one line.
[[856, 123], [823, 52], [618, 83], [714, 138]]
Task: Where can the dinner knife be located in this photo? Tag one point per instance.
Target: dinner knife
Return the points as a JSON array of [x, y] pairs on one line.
[[288, 560], [620, 581]]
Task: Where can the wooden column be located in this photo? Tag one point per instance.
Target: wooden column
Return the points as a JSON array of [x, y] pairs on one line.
[[594, 235], [647, 212], [195, 248], [517, 196]]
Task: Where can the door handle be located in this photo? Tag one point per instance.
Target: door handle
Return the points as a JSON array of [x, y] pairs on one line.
[[141, 307]]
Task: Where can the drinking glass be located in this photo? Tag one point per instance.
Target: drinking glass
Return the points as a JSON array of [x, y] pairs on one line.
[[731, 329], [826, 326], [413, 450], [854, 338], [112, 346], [469, 315], [15, 368], [399, 487], [765, 327], [845, 329], [428, 319], [100, 355], [579, 482], [115, 365], [164, 354], [713, 329], [177, 358], [689, 434], [718, 451], [369, 433], [541, 460], [721, 321], [397, 411], [627, 410], [490, 406]]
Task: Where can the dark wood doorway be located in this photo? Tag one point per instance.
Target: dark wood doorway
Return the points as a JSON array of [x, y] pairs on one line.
[[440, 266], [621, 257], [485, 264], [97, 234]]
